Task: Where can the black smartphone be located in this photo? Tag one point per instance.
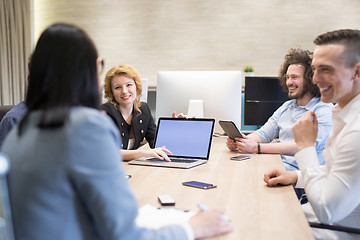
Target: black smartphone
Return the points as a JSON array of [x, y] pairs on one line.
[[240, 157], [230, 129], [197, 184]]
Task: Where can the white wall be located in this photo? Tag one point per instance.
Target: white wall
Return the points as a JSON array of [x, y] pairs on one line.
[[154, 35]]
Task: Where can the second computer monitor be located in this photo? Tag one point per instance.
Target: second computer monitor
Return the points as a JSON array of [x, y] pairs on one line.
[[218, 92], [263, 96]]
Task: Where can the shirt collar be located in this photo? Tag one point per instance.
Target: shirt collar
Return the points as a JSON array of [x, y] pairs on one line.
[[308, 106], [347, 113]]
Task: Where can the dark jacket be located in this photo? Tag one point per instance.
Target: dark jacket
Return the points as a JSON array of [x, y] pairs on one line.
[[142, 123]]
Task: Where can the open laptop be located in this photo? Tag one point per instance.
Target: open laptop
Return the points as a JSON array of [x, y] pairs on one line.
[[188, 139]]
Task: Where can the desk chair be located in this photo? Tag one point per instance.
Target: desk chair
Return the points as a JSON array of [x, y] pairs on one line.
[[303, 200], [6, 224]]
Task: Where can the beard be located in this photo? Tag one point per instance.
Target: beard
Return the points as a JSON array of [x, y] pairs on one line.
[[299, 95]]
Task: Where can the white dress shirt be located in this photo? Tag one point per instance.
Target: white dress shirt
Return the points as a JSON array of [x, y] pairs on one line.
[[333, 190]]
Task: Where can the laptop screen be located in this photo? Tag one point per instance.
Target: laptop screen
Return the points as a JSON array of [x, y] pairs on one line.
[[185, 137]]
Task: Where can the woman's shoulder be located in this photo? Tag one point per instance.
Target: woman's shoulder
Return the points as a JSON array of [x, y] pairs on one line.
[[107, 107], [90, 116], [110, 109], [144, 107], [88, 121], [97, 130]]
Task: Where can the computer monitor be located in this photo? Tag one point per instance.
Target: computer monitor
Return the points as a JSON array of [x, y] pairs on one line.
[[263, 95], [217, 93]]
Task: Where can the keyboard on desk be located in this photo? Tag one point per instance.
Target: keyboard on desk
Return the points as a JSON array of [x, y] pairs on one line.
[[176, 162], [180, 160]]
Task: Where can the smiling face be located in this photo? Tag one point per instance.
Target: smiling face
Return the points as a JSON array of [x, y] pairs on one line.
[[124, 90], [295, 81], [334, 80]]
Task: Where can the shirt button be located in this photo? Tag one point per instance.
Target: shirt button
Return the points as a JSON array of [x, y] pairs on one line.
[[142, 131], [140, 121], [122, 134], [122, 124], [122, 145]]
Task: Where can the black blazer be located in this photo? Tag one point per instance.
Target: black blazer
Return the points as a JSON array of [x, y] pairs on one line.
[[142, 123]]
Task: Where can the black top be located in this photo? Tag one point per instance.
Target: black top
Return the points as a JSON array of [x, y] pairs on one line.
[[143, 125]]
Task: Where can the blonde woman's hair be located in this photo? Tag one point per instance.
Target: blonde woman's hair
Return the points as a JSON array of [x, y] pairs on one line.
[[128, 71]]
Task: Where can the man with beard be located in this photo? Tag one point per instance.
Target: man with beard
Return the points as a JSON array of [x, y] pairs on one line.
[[296, 78]]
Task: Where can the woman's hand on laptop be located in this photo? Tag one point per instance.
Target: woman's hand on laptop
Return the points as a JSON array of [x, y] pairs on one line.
[[158, 153]]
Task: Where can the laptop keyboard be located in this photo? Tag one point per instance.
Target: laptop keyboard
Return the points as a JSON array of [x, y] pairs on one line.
[[180, 160]]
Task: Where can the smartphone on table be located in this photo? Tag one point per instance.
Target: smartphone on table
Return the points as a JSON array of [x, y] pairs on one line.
[[240, 157], [166, 200], [197, 184], [230, 129]]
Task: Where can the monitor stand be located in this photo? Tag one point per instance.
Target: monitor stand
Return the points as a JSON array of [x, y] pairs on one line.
[[196, 108]]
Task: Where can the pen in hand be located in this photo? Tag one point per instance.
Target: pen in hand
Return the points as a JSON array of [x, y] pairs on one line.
[[203, 207]]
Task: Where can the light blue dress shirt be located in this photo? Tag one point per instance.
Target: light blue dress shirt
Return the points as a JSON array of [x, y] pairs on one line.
[[280, 123]]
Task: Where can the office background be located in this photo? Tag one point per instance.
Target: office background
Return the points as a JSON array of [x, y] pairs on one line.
[[172, 35]]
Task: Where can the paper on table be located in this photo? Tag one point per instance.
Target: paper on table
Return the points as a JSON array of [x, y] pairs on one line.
[[152, 217]]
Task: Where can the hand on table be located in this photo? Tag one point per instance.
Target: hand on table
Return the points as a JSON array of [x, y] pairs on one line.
[[209, 223], [280, 177]]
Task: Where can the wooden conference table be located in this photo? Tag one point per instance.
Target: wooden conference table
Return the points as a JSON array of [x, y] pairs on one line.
[[256, 211]]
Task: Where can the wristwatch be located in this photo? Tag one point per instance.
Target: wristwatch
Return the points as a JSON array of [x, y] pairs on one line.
[[259, 149]]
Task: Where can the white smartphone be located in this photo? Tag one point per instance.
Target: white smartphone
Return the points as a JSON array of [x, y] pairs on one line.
[[166, 200]]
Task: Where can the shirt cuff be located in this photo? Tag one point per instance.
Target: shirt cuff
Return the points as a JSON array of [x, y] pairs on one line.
[[188, 230], [307, 157], [299, 182]]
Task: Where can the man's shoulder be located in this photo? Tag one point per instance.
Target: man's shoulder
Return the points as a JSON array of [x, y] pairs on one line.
[[326, 105], [286, 105], [16, 112], [316, 103]]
